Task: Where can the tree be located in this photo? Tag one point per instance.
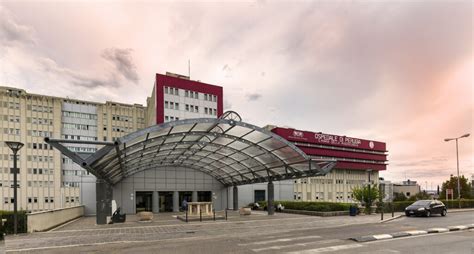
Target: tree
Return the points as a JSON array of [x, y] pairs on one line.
[[366, 195], [398, 196], [422, 195], [452, 183]]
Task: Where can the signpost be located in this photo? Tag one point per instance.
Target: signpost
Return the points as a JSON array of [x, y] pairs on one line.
[[449, 192]]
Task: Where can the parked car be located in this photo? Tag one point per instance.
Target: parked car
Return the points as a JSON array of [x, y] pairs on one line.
[[426, 208]]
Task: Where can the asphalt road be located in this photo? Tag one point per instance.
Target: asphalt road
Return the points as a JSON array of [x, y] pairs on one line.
[[281, 236]]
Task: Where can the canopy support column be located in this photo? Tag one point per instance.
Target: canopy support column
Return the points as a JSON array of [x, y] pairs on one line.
[[270, 206], [235, 198], [103, 201], [156, 202], [175, 201]]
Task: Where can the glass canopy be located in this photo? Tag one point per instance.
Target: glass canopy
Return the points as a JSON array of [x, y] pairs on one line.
[[233, 152]]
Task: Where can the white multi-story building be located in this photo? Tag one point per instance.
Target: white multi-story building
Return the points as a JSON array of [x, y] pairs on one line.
[[48, 179]]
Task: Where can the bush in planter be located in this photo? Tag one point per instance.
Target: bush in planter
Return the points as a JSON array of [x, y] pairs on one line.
[[8, 226], [366, 195]]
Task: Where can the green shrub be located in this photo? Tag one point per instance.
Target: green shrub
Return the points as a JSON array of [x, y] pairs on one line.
[[465, 203], [310, 206], [8, 226], [400, 206]]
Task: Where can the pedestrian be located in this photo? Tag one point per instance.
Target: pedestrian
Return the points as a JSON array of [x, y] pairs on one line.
[[184, 204]]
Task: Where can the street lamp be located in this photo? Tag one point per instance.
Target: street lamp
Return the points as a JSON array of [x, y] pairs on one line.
[[369, 171], [457, 159], [15, 146]]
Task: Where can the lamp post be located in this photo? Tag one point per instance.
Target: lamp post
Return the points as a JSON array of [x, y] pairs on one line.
[[369, 171], [457, 160], [15, 146]]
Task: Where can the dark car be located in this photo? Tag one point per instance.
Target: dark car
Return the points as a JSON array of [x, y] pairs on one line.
[[426, 208]]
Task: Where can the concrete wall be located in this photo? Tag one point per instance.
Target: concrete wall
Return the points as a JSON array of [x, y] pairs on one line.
[[166, 179], [41, 221], [283, 191]]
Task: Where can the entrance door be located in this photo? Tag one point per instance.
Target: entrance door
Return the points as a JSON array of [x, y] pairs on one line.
[[166, 201], [184, 195], [259, 195], [144, 201], [204, 196]]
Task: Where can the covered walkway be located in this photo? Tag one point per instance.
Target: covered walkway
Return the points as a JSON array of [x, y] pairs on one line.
[[233, 152]]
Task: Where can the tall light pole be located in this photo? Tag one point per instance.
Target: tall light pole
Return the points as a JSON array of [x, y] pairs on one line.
[[457, 160], [15, 146], [369, 171]]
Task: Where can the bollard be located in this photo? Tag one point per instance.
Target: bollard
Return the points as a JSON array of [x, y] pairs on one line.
[[391, 207], [200, 215], [226, 214], [186, 215], [214, 212], [381, 211]]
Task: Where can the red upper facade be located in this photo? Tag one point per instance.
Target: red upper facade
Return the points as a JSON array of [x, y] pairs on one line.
[[184, 84], [351, 153]]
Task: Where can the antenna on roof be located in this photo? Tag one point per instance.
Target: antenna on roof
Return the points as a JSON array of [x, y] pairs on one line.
[[189, 68]]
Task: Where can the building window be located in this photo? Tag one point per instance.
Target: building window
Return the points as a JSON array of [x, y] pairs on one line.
[[176, 91], [166, 104], [205, 111], [187, 107], [186, 93], [196, 109], [176, 106], [166, 89]]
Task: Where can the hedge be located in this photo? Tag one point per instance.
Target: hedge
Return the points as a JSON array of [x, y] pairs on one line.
[[399, 206], [310, 206], [8, 226]]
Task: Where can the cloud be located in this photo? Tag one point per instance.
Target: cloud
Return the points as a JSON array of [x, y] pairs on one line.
[[227, 105], [72, 76], [11, 32], [253, 96], [123, 62]]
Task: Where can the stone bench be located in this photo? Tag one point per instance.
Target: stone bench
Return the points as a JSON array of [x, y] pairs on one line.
[[145, 216]]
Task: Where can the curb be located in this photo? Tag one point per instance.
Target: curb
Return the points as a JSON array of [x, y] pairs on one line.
[[369, 238], [392, 218]]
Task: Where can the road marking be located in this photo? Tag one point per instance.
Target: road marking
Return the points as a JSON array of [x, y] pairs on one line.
[[416, 232], [279, 247], [454, 228], [382, 236], [280, 240], [327, 249]]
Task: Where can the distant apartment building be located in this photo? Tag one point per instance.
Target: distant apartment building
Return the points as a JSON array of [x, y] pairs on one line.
[[386, 190], [408, 188], [48, 179]]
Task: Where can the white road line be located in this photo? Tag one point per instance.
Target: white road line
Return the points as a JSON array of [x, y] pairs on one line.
[[416, 232], [280, 240], [327, 249], [279, 247], [440, 230], [459, 227], [382, 236]]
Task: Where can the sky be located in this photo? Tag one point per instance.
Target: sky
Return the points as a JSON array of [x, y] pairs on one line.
[[399, 72]]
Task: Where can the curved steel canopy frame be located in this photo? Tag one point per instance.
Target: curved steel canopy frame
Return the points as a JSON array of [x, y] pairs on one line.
[[233, 152]]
